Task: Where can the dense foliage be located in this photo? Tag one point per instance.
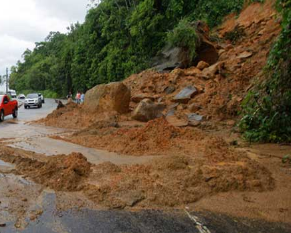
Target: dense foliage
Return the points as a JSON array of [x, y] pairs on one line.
[[118, 38], [267, 109], [184, 36]]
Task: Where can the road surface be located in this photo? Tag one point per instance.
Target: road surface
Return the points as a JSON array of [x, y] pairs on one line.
[[15, 218]]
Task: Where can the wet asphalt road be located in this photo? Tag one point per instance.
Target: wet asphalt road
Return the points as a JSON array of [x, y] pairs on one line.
[[145, 221], [107, 221]]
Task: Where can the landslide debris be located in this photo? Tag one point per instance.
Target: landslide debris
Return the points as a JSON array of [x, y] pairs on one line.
[[60, 172], [195, 164], [157, 137], [176, 180], [217, 90], [168, 181]]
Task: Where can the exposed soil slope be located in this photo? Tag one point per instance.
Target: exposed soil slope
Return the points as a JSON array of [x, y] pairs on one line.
[[243, 43]]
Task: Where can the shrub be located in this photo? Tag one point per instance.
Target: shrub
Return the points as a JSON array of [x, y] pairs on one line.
[[267, 109], [184, 36]]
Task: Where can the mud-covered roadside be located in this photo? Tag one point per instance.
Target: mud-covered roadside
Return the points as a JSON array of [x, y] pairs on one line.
[[192, 167], [166, 182]]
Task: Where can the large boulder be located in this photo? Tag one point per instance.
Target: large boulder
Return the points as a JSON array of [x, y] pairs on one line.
[[147, 110], [186, 94], [171, 58], [108, 97]]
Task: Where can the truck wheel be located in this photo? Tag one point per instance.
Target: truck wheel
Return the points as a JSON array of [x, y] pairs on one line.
[[25, 107], [15, 113], [1, 115]]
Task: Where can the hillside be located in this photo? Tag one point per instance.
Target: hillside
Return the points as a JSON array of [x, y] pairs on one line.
[[117, 39], [182, 118]]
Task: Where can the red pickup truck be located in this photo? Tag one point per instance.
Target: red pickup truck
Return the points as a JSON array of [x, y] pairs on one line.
[[8, 107]]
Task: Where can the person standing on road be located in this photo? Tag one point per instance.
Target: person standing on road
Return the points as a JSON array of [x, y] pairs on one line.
[[69, 97], [82, 97], [78, 97]]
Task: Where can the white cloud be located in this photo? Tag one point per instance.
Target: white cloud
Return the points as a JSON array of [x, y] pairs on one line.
[[24, 22]]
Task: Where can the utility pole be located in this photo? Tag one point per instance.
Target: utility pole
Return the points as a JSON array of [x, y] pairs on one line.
[[7, 81]]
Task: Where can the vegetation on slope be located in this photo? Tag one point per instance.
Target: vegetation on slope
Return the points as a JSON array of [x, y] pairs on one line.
[[267, 108], [118, 38]]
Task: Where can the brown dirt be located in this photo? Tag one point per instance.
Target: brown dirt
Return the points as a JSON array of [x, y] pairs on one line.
[[74, 116], [197, 166], [61, 172], [220, 95], [175, 181], [164, 182], [273, 205], [155, 138]]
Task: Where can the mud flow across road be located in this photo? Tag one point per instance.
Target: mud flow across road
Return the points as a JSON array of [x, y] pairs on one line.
[[53, 185]]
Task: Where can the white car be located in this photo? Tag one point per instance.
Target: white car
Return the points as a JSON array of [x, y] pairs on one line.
[[41, 97], [21, 96], [33, 100], [12, 93]]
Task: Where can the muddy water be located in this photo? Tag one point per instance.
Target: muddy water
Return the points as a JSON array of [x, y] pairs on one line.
[[4, 164], [36, 138], [50, 147]]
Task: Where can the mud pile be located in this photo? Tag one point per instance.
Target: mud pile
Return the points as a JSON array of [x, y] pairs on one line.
[[174, 181], [157, 137], [61, 172], [75, 116], [168, 181]]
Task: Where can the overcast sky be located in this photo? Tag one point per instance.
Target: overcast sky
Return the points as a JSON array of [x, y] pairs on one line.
[[24, 22]]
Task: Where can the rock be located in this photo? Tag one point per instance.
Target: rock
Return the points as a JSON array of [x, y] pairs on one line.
[[228, 47], [108, 97], [147, 110], [175, 75], [221, 51], [210, 72], [161, 99], [140, 97], [231, 123], [262, 32], [60, 104], [206, 52], [171, 112], [171, 58], [194, 107], [169, 90], [182, 107], [131, 198], [245, 55], [194, 119], [202, 65], [193, 71], [174, 106], [173, 120], [186, 94]]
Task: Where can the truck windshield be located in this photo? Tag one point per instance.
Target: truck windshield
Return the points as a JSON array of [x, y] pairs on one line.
[[32, 96]]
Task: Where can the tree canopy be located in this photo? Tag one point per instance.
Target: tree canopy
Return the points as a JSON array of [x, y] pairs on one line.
[[118, 38]]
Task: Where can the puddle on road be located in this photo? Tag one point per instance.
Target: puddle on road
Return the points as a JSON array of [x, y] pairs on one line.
[[4, 164], [6, 167], [52, 147]]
